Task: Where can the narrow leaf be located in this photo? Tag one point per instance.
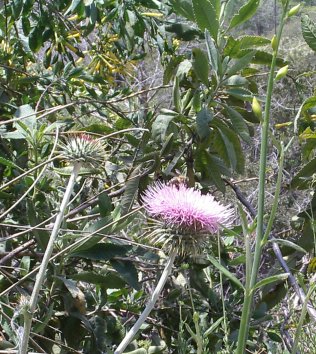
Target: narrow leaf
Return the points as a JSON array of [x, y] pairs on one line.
[[288, 244], [272, 279], [225, 271], [212, 51]]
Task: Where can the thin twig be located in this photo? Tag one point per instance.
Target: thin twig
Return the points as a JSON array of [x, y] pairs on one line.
[[16, 251]]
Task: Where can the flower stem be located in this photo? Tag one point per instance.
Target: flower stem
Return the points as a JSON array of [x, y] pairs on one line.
[[249, 292], [151, 303], [48, 252]]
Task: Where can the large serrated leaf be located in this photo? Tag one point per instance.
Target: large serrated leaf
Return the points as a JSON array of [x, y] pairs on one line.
[[183, 8], [246, 42], [244, 13], [200, 65], [309, 31], [206, 17]]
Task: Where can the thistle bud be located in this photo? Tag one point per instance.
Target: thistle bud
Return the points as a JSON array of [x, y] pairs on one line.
[[81, 147]]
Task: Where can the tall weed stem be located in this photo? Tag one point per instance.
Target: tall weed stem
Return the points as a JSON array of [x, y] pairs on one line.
[[151, 303], [249, 289], [28, 313]]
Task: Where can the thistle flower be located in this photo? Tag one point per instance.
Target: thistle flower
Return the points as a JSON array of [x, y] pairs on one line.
[[81, 147], [185, 215]]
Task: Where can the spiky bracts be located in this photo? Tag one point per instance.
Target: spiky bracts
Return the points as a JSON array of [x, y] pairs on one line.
[[83, 148]]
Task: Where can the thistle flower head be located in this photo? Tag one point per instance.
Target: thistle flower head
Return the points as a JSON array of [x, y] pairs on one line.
[[186, 215], [81, 147]]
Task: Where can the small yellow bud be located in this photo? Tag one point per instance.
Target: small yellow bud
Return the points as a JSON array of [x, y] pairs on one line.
[[281, 72], [256, 108], [294, 10]]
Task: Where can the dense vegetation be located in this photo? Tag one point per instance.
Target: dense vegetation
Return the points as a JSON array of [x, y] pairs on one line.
[[101, 98]]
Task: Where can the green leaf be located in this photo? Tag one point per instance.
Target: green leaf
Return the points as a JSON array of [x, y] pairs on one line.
[[176, 95], [288, 243], [228, 146], [209, 167], [212, 52], [128, 272], [271, 279], [225, 271], [304, 178], [41, 236], [306, 105], [183, 8], [36, 38], [200, 65], [110, 280], [16, 6], [203, 119], [244, 13], [239, 125], [8, 163], [265, 58], [240, 63], [206, 17], [213, 327], [105, 204], [160, 126], [30, 118], [240, 93], [131, 190], [247, 42], [102, 252], [309, 31]]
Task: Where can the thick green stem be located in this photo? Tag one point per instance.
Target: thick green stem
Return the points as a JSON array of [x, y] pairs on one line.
[[249, 293], [150, 305], [48, 252]]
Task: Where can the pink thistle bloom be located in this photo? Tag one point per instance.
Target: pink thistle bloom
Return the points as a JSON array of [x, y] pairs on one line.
[[186, 209]]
